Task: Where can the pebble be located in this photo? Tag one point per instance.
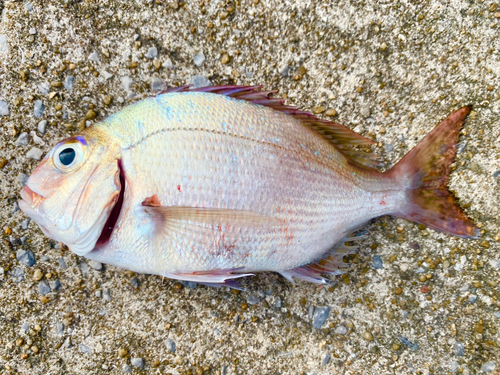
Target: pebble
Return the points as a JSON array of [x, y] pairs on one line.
[[412, 345], [42, 125], [253, 299], [4, 44], [32, 31], [59, 329], [18, 274], [107, 75], [152, 53], [37, 275], [496, 314], [496, 173], [107, 294], [488, 366], [157, 84], [388, 147], [126, 82], [278, 303], [38, 108], [96, 265], [85, 349], [25, 223], [55, 285], [199, 59], [225, 59], [200, 81], [367, 336], [62, 263], [4, 108], [135, 282], [126, 369], [43, 288], [320, 316], [495, 263], [122, 352], [168, 64], [137, 362], [454, 366], [459, 349], [285, 71], [22, 140], [325, 358], [26, 257], [44, 88], [383, 46], [36, 138], [341, 330], [377, 262], [25, 327], [34, 153], [94, 56], [170, 345], [68, 82], [16, 207]]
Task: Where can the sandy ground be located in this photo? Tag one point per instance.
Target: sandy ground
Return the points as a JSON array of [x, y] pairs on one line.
[[390, 71]]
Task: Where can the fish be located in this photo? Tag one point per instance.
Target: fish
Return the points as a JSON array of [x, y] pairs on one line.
[[217, 183]]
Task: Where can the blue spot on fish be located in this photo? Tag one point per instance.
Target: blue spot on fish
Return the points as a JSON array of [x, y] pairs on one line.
[[81, 140]]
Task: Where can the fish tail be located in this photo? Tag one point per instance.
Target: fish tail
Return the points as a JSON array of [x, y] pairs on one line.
[[425, 171]]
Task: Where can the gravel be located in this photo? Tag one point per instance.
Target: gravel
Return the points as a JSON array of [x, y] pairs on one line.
[[137, 362], [38, 108], [4, 108], [320, 316], [199, 59], [43, 288], [26, 257], [170, 345]]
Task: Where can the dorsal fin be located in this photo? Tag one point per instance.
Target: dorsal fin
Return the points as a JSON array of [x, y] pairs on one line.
[[343, 138]]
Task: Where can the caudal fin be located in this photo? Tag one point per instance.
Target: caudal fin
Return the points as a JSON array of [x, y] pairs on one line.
[[425, 173]]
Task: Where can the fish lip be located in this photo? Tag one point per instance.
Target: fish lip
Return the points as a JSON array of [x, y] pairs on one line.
[[31, 197]]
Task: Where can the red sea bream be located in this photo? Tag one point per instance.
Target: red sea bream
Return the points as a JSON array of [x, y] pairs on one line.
[[217, 183]]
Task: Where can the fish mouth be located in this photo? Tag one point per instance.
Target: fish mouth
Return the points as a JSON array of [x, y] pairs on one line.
[[110, 224], [30, 204]]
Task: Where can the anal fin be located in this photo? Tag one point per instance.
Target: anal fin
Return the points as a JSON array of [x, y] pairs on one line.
[[330, 264]]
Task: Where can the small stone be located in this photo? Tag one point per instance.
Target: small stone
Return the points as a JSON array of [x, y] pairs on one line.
[[4, 44], [459, 349], [152, 53], [4, 108], [32, 31], [454, 366], [398, 291], [156, 64], [135, 282], [377, 262], [26, 257], [341, 330], [199, 59], [122, 352], [106, 75], [171, 347], [55, 285], [34, 153], [43, 288], [367, 336], [25, 223], [126, 83], [325, 358], [107, 294], [85, 349], [413, 346], [168, 64], [18, 274], [126, 369], [388, 147], [278, 303], [321, 314], [22, 140], [38, 108], [253, 299], [3, 163], [383, 46], [489, 366], [68, 82], [37, 275], [94, 56], [96, 265], [25, 327], [62, 263], [225, 58], [59, 329], [319, 109], [157, 84], [42, 126], [200, 81], [91, 114], [425, 289], [137, 362], [107, 99]]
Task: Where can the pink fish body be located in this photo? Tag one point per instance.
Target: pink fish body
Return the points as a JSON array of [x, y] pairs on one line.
[[213, 184]]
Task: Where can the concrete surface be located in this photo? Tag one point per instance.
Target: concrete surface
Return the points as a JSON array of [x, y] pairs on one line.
[[391, 70]]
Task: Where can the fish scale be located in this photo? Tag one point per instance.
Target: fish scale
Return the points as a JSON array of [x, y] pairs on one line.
[[210, 184]]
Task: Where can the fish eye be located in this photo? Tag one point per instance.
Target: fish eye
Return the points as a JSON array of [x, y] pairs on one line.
[[68, 155]]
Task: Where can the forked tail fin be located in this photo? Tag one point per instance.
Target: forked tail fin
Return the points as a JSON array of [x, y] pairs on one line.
[[425, 173]]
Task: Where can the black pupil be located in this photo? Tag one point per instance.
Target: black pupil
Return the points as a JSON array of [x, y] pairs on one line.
[[67, 156]]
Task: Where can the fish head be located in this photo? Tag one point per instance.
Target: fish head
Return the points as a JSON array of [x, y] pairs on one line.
[[71, 194]]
